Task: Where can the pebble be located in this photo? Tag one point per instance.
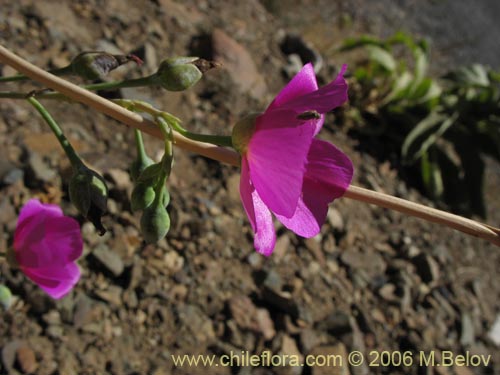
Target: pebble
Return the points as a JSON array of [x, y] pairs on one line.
[[26, 359], [109, 259], [239, 63], [494, 332]]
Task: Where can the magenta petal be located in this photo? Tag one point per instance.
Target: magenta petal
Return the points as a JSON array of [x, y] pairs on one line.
[[258, 214], [56, 242], [311, 210], [276, 158], [246, 190], [330, 166], [328, 174], [65, 237], [322, 100], [30, 222], [56, 282], [303, 83], [265, 236]]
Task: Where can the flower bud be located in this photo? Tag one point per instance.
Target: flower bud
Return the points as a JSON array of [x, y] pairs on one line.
[[142, 196], [155, 221], [5, 297], [89, 194], [242, 132], [139, 165], [95, 65], [180, 73]]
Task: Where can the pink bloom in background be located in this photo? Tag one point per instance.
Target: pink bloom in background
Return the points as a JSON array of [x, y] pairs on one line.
[[284, 170], [46, 246]]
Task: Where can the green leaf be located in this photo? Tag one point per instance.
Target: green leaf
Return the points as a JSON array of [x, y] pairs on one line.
[[425, 134], [382, 57], [474, 75], [400, 87], [364, 40], [421, 65], [431, 175]]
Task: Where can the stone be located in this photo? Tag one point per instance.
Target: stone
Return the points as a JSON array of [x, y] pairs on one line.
[[467, 330], [39, 170], [120, 178], [239, 63], [336, 362], [494, 332], [427, 268], [248, 316], [109, 259], [335, 219], [26, 359]]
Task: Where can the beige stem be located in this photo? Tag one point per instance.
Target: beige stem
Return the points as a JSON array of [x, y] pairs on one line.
[[230, 157]]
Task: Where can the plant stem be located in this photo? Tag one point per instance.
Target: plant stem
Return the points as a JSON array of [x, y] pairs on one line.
[[22, 77], [68, 149], [174, 122], [231, 157], [137, 82], [141, 152]]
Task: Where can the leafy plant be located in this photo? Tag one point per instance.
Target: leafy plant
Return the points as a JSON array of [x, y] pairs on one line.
[[441, 127]]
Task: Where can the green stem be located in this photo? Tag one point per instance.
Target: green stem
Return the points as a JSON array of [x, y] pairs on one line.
[[68, 149], [218, 140], [141, 152], [138, 82], [12, 95], [22, 77]]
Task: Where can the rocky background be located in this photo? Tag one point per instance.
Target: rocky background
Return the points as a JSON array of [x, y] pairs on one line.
[[373, 279]]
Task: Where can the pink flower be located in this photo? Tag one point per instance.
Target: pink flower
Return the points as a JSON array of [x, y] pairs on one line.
[[284, 170], [46, 246]]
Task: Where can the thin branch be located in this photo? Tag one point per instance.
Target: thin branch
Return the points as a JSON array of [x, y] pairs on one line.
[[231, 157]]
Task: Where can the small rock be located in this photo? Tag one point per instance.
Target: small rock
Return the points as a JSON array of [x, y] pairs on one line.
[[120, 178], [83, 311], [335, 357], [239, 63], [255, 259], [113, 295], [494, 333], [427, 268], [290, 351], [467, 330], [9, 354], [272, 293], [248, 316], [39, 169], [310, 338], [296, 45], [173, 261], [109, 259], [335, 219], [26, 359], [387, 292], [282, 246], [337, 323]]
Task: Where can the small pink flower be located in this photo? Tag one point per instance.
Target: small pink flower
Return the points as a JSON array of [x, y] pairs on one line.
[[284, 170], [46, 246]]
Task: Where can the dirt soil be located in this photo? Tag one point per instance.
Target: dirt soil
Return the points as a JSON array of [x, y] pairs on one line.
[[373, 280]]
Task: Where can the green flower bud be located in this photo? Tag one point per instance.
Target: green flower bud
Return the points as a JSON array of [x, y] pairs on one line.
[[5, 297], [95, 65], [242, 132], [142, 196], [139, 165], [180, 73], [155, 221], [89, 194]]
